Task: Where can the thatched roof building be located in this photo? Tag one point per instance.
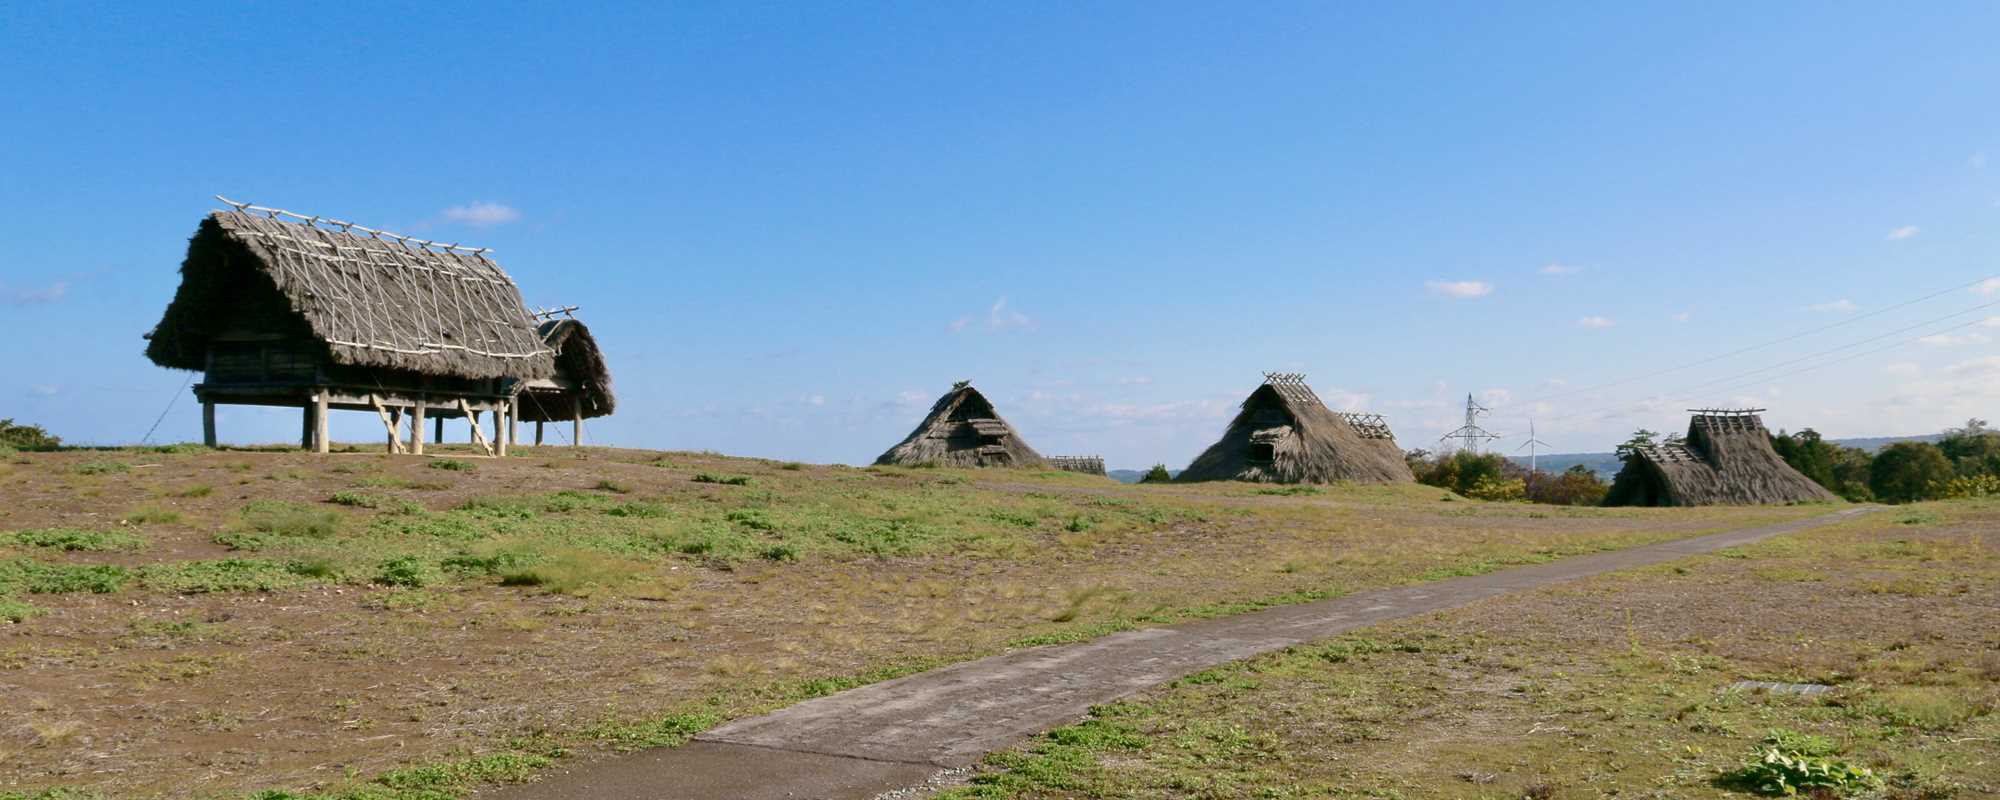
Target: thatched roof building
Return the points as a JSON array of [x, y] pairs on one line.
[[322, 314], [581, 385], [1726, 459], [963, 430], [1284, 434]]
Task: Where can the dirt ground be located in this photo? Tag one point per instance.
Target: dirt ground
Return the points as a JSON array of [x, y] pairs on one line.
[[388, 614], [1617, 686]]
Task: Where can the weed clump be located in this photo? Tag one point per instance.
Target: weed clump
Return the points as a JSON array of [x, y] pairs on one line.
[[724, 480], [223, 575], [452, 465], [74, 539]]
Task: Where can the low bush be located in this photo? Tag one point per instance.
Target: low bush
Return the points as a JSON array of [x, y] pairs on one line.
[[452, 465], [1781, 773], [26, 437], [74, 539], [725, 480]]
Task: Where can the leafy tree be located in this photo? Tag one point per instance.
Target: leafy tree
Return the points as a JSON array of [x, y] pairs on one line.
[[1463, 470], [1158, 474], [1577, 486], [1808, 453], [1973, 450], [26, 437], [1909, 471]]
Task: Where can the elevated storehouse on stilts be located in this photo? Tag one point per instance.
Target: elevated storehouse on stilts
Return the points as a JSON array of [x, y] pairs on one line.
[[580, 389], [282, 309], [963, 430], [1285, 434], [1726, 459]]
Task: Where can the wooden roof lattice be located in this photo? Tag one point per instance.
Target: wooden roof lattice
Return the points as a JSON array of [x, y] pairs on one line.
[[991, 428], [1667, 453], [1370, 426], [1728, 420], [1292, 386]]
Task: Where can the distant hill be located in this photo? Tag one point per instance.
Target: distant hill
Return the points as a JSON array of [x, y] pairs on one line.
[[1133, 475], [1606, 465]]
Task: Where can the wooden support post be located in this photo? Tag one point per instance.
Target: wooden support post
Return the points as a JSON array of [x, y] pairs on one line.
[[391, 423], [500, 431], [538, 433], [417, 426], [514, 420], [576, 421], [306, 425], [440, 429], [478, 436], [208, 423], [320, 442]]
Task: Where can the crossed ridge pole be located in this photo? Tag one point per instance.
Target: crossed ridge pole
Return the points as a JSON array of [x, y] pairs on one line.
[[315, 219], [551, 313], [1293, 386], [1470, 435]]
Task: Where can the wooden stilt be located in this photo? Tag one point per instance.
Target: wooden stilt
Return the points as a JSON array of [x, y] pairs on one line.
[[440, 429], [576, 422], [478, 436], [500, 431], [391, 423], [514, 421], [207, 423], [306, 425], [538, 433], [320, 442], [417, 426]]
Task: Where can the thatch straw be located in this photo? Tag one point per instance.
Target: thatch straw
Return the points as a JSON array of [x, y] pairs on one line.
[[963, 430], [370, 302], [1297, 439], [581, 363], [1725, 460]]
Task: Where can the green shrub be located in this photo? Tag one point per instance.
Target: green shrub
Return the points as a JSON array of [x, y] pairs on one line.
[[452, 465], [408, 571], [26, 437], [101, 467], [1497, 489], [725, 480], [222, 575], [1780, 773], [755, 519], [1158, 474], [1906, 472], [1576, 486], [15, 612], [1982, 485], [33, 577], [780, 552]]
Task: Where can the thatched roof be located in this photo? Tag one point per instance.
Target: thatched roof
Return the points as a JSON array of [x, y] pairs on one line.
[[580, 364], [1726, 459], [372, 302], [963, 430], [1284, 434]]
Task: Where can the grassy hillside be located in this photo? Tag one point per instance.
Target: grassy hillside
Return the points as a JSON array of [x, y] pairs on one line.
[[189, 623], [1616, 686]]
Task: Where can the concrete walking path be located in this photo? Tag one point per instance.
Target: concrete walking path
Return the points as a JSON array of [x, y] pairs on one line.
[[897, 734]]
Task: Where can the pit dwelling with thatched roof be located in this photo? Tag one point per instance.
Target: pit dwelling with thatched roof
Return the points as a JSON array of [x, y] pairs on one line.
[[963, 430], [282, 309], [1726, 459], [1285, 434]]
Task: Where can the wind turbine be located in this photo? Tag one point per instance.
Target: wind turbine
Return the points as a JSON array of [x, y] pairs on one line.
[[1531, 444]]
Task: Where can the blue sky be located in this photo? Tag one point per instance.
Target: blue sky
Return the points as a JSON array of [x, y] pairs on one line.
[[792, 226]]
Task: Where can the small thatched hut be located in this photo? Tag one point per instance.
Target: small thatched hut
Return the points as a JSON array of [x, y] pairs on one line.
[[963, 430], [580, 389], [1284, 434], [1726, 459], [326, 315]]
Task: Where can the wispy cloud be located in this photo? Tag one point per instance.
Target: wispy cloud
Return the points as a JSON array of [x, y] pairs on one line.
[[34, 295], [482, 214], [1595, 322], [1902, 368], [1953, 339], [1683, 316], [1841, 306], [1460, 289], [998, 318], [1901, 233], [1553, 268], [1988, 286]]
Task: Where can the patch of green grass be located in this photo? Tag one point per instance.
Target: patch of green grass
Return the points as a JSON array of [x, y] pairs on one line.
[[26, 576], [725, 480], [101, 468], [672, 730], [1290, 491], [58, 793], [575, 572], [289, 519], [74, 539], [452, 465], [222, 575], [613, 487], [15, 612], [153, 515], [197, 490], [408, 571], [1930, 708]]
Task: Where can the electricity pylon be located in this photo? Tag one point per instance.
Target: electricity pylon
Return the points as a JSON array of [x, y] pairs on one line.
[[1470, 434], [1531, 444]]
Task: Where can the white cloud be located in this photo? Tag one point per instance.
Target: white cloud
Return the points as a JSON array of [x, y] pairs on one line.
[[1683, 316], [816, 400], [1136, 380], [482, 214], [998, 318], [1988, 286], [1904, 232], [1553, 268], [1841, 306], [1495, 397], [33, 296], [1902, 368], [1595, 322], [1460, 289]]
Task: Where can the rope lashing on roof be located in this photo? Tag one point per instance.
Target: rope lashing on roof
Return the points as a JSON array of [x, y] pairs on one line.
[[550, 313], [345, 226]]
